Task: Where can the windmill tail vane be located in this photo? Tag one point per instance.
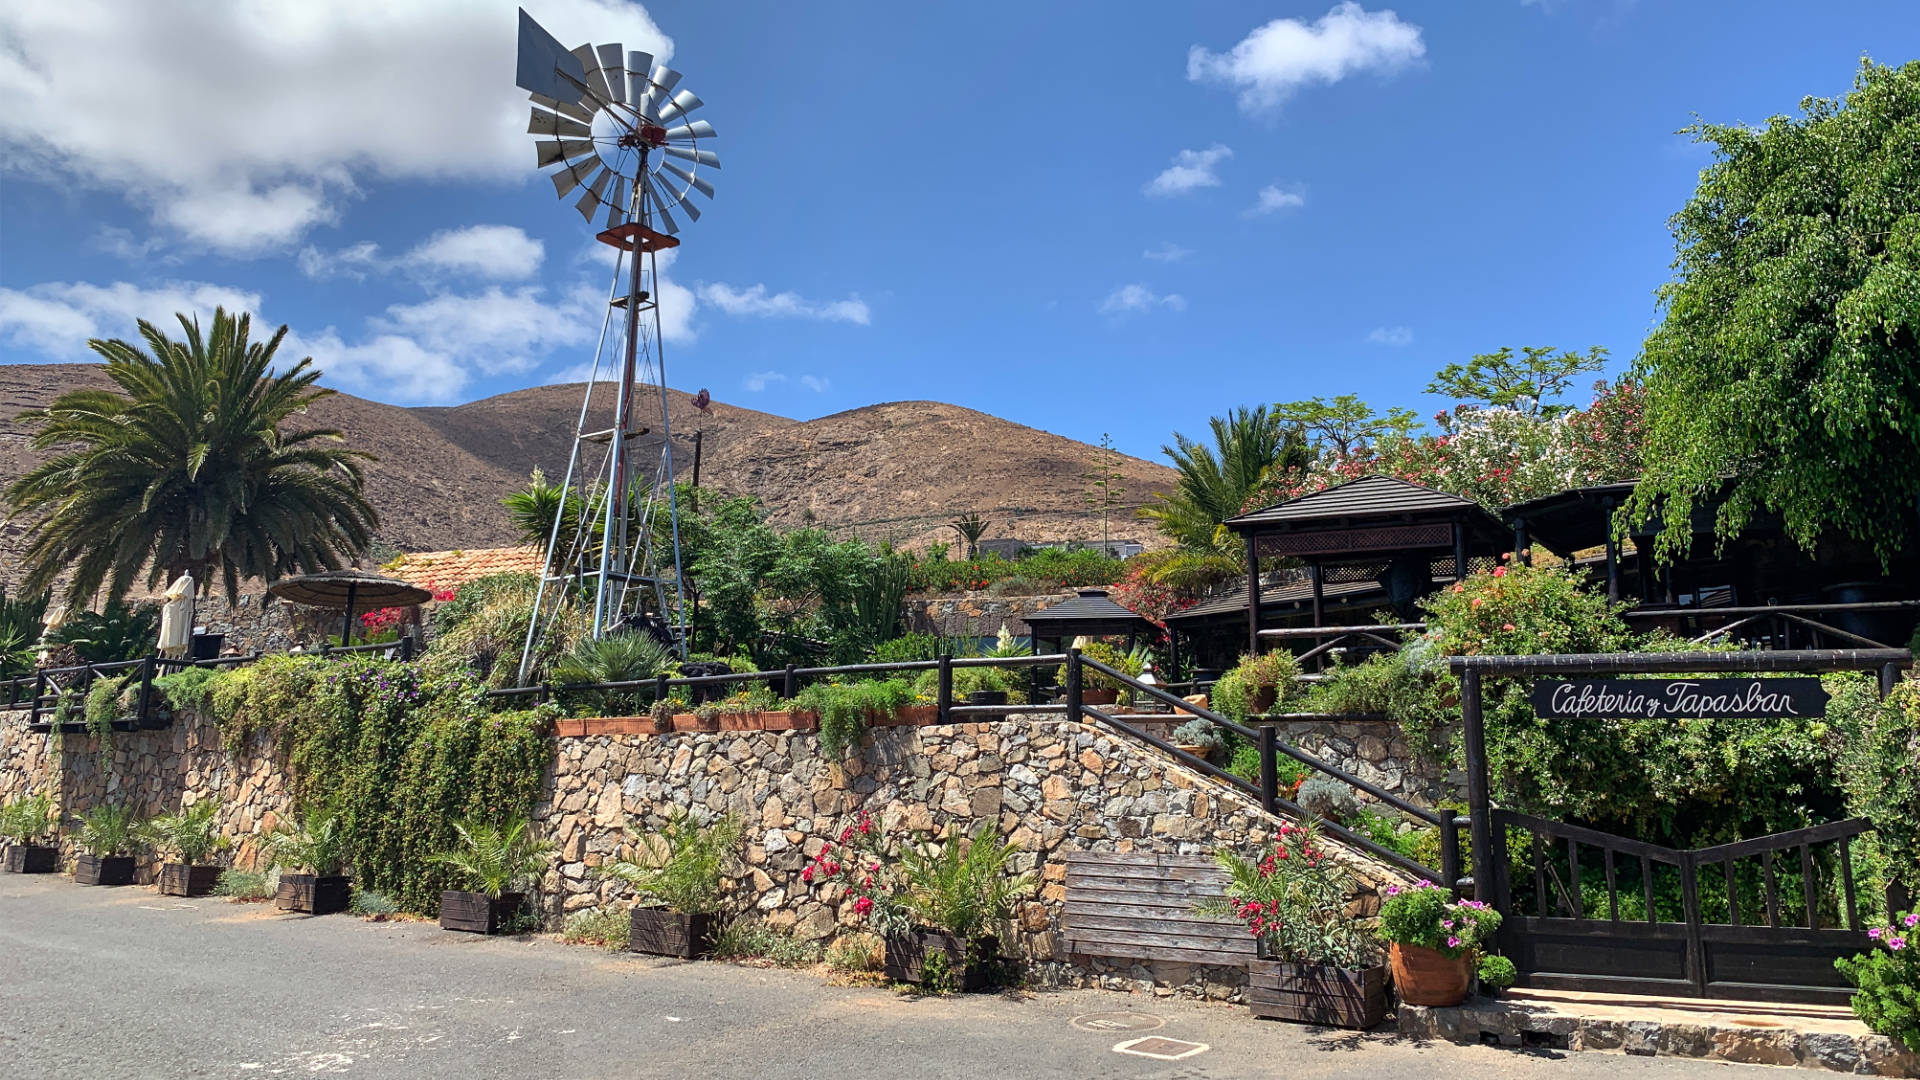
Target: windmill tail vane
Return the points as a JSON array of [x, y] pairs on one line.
[[613, 132]]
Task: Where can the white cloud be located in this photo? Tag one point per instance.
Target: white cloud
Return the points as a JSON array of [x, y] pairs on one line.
[[1280, 57], [1396, 336], [56, 319], [754, 300], [1136, 297], [1273, 197], [395, 367], [489, 252], [1190, 169], [1167, 252], [242, 124], [497, 330], [816, 383], [760, 380]]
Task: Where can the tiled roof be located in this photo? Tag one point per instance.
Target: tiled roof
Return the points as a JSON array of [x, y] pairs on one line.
[[1090, 604], [452, 569], [1369, 496]]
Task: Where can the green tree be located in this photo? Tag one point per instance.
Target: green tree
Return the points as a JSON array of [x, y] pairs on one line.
[[1345, 426], [971, 527], [185, 468], [1527, 382], [1785, 372], [1215, 481]]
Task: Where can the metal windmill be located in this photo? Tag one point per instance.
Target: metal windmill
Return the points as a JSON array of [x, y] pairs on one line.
[[611, 126]]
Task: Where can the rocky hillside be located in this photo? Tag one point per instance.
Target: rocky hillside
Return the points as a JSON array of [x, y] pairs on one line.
[[901, 469]]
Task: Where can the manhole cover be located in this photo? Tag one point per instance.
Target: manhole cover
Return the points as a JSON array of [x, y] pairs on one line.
[[1160, 1047], [1117, 1021]]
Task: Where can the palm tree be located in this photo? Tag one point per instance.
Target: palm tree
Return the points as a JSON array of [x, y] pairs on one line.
[[185, 469], [971, 527], [1215, 481]]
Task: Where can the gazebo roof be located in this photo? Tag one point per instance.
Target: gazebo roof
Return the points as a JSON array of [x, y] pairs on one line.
[[1366, 497], [1091, 613]]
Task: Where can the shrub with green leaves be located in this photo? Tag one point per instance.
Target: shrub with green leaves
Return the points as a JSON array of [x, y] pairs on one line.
[[626, 657], [750, 938], [1199, 732], [492, 859], [27, 820], [1888, 977], [245, 885], [187, 688], [843, 709], [610, 928], [313, 844], [109, 830], [1293, 896], [1427, 915], [683, 867], [1497, 972], [190, 835], [1325, 797]]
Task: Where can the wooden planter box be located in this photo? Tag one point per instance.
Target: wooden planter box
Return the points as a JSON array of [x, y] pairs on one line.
[[179, 879], [31, 859], [478, 913], [971, 962], [103, 870], [310, 894], [1311, 994], [659, 932]]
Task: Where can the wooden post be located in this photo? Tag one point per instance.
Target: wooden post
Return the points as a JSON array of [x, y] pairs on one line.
[[659, 688], [1253, 596], [944, 698], [790, 685], [1520, 548], [1479, 800], [146, 692], [1074, 704], [1450, 851], [1889, 674], [1269, 770], [1459, 552], [1318, 579], [1613, 556]]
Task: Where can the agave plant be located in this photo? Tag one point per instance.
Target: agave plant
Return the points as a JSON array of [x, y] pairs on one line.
[[628, 657], [494, 858], [191, 835], [316, 844], [109, 830], [681, 866]]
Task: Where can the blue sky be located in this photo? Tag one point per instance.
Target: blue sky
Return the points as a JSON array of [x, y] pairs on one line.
[[1088, 217]]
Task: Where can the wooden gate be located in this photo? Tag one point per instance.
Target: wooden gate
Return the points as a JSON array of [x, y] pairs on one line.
[[1761, 919]]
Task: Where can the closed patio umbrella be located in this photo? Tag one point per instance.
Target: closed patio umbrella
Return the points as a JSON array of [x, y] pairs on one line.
[[348, 591], [176, 617]]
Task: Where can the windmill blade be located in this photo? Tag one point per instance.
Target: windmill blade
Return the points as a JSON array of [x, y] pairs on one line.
[[613, 70], [666, 219], [540, 61], [638, 65], [665, 78], [656, 193], [693, 181], [569, 178], [684, 203], [704, 158], [617, 203], [550, 152], [542, 122], [699, 129], [595, 81], [570, 109], [683, 103], [589, 199]]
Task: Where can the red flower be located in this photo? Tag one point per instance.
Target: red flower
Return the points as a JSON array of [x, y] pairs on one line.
[[863, 905], [1499, 571]]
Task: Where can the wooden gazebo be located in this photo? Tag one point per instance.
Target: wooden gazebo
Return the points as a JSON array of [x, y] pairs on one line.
[[1090, 614], [1412, 534]]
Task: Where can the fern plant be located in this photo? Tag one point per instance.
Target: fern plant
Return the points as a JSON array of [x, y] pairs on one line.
[[961, 886], [109, 830], [682, 867], [190, 835], [494, 858], [315, 844]]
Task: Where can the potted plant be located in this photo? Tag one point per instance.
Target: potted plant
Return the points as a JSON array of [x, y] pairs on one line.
[[190, 836], [983, 685], [1265, 678], [1433, 939], [316, 848], [1315, 964], [493, 859], [108, 836], [680, 874], [1099, 688], [1198, 737], [935, 905], [23, 824]]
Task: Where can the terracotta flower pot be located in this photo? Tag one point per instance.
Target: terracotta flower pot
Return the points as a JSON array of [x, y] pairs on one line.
[[1426, 976], [1262, 698], [1099, 697]]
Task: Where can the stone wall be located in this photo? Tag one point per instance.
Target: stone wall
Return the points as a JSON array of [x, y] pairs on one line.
[[1376, 751], [1050, 785], [977, 614], [154, 772]]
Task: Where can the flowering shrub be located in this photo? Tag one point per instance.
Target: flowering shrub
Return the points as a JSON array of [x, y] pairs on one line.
[[1426, 915], [1517, 610], [1294, 899], [960, 885], [1888, 976]]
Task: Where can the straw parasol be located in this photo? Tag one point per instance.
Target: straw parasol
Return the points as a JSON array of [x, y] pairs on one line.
[[348, 591]]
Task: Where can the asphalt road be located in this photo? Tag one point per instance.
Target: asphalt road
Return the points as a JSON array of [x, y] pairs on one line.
[[103, 983]]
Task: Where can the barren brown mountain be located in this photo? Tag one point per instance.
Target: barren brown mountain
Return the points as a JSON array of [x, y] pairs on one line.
[[899, 470]]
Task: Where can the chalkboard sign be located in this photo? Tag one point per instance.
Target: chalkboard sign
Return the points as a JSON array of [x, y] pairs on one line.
[[1678, 698]]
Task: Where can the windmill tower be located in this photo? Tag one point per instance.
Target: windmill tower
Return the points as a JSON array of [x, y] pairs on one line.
[[612, 133]]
